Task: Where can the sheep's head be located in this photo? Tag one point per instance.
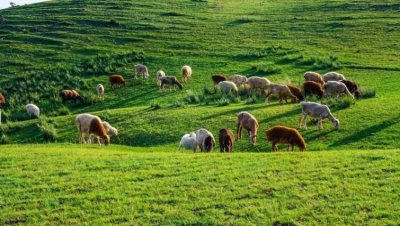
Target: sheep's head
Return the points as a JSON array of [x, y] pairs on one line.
[[209, 144], [106, 139], [253, 139], [336, 123]]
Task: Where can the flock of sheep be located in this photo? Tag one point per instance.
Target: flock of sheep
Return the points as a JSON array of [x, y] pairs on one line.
[[331, 84]]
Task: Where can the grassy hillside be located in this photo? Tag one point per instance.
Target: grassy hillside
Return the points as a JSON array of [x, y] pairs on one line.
[[72, 184], [61, 44]]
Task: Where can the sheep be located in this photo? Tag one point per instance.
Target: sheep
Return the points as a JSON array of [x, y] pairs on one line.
[[281, 91], [141, 69], [70, 95], [316, 110], [314, 77], [352, 87], [333, 76], [205, 140], [188, 141], [227, 86], [91, 125], [100, 91], [217, 79], [32, 110], [116, 80], [2, 99], [313, 88], [169, 80], [186, 73], [256, 82], [239, 79], [226, 140], [285, 135], [249, 122], [333, 88], [296, 91], [110, 130]]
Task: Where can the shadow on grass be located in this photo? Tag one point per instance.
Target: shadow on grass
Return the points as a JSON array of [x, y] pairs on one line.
[[234, 111], [282, 115]]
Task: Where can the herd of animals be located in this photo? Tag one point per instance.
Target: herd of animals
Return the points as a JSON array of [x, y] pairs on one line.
[[332, 84]]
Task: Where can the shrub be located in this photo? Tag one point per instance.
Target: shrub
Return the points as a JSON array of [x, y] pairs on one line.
[[192, 97], [267, 69], [223, 102], [179, 104], [338, 104], [48, 131], [207, 90], [4, 139]]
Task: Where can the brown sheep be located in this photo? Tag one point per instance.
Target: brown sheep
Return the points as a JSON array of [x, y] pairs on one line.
[[314, 77], [352, 87], [116, 80], [2, 99], [169, 80], [226, 140], [285, 135], [70, 95], [217, 79], [313, 88], [91, 125], [249, 122], [281, 91], [296, 91]]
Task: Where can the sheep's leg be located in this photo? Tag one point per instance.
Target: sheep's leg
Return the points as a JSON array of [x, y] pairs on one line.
[[319, 123], [267, 97], [305, 122], [239, 132]]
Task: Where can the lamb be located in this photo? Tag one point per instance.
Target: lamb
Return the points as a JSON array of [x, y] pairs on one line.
[[226, 140], [249, 122], [352, 87], [281, 91], [186, 73], [256, 82], [239, 79], [285, 135], [316, 110], [188, 141], [91, 125], [110, 130], [333, 88], [313, 88], [333, 76], [169, 80], [141, 69], [227, 86], [296, 91], [205, 140], [100, 91], [70, 95], [116, 80], [32, 110], [2, 99], [314, 77]]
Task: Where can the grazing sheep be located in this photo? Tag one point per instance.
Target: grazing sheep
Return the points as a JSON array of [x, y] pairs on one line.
[[186, 73], [217, 79], [316, 110], [239, 79], [296, 91], [169, 80], [333, 76], [2, 99], [188, 141], [110, 130], [314, 77], [70, 95], [285, 135], [313, 88], [205, 140], [281, 91], [336, 89], [116, 80], [249, 122], [160, 74], [100, 91], [226, 140], [352, 87], [227, 86], [141, 69], [32, 110], [91, 125], [256, 82]]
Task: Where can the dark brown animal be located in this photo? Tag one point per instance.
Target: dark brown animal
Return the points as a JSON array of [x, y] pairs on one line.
[[313, 88], [218, 78], [352, 87], [70, 95], [285, 135], [116, 80], [2, 99], [169, 80], [226, 139], [296, 91]]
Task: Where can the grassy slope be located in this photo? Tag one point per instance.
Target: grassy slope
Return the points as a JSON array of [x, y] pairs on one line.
[[77, 184]]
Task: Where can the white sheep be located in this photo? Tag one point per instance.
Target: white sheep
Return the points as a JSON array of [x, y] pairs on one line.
[[159, 75], [316, 110], [256, 82], [336, 89], [239, 79], [188, 141], [186, 73], [100, 91], [333, 76], [141, 69], [314, 77], [205, 140], [91, 125], [32, 110], [227, 86]]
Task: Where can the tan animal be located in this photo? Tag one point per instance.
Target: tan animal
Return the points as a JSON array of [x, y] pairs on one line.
[[313, 77], [280, 91], [116, 80], [257, 83], [249, 122], [186, 73]]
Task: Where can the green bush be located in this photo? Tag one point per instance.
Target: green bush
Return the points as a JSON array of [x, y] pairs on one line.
[[49, 133]]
